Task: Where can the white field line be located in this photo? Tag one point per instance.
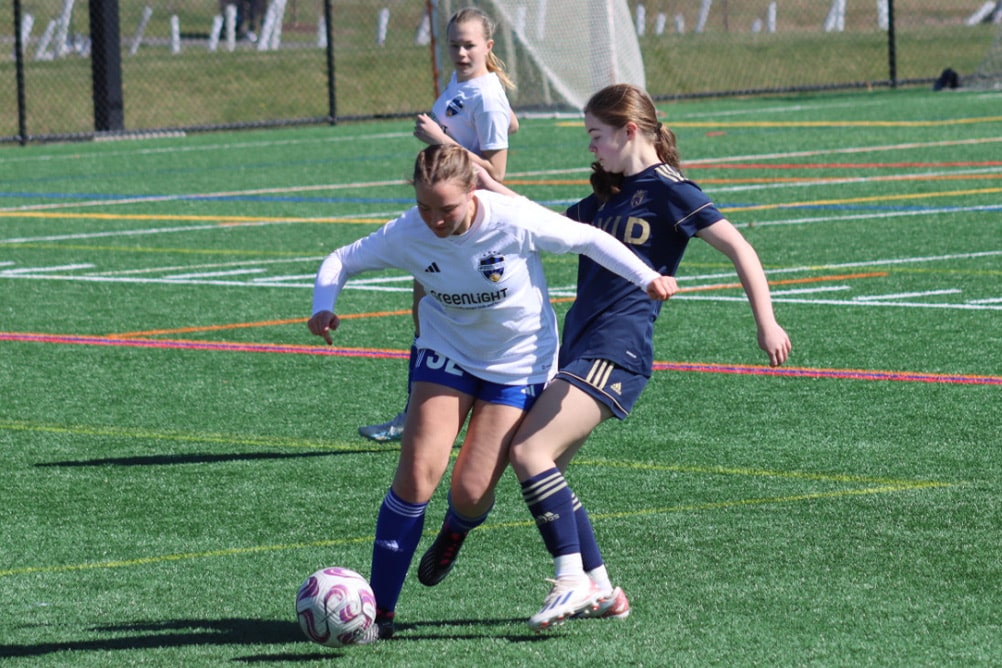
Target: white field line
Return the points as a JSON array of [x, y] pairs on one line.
[[43, 270], [966, 306], [846, 150], [869, 215], [790, 108], [907, 295], [213, 265], [211, 148], [378, 217], [806, 291], [403, 283], [170, 230], [228, 193], [256, 283], [216, 274], [808, 183], [120, 276], [582, 170]]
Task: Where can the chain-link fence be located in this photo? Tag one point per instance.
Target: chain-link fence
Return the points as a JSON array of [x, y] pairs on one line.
[[204, 64]]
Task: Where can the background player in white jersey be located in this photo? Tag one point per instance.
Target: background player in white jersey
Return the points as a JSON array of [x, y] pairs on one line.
[[473, 111], [488, 337], [606, 353]]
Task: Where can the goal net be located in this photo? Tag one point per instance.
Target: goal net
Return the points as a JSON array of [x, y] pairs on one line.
[[558, 52], [989, 73]]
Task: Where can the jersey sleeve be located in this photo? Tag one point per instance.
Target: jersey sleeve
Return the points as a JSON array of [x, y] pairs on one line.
[[690, 208], [492, 129], [493, 116], [558, 234], [367, 254]]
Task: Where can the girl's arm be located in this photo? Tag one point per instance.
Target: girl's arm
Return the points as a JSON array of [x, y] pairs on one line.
[[430, 132], [487, 182], [726, 238], [495, 162]]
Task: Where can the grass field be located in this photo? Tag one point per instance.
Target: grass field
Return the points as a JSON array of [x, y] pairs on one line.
[[177, 453]]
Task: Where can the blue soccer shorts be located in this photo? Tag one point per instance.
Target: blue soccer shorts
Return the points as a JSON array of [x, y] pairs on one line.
[[607, 383], [431, 367]]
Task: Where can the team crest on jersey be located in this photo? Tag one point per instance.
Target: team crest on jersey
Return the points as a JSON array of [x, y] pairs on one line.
[[491, 266], [454, 107], [638, 198]]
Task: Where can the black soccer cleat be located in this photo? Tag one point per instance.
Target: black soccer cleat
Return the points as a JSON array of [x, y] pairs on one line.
[[384, 623], [440, 557]]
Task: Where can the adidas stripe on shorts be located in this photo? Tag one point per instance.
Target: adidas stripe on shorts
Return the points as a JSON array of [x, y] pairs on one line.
[[609, 384]]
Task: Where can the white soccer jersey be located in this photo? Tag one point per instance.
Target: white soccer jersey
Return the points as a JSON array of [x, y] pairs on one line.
[[476, 113], [487, 305]]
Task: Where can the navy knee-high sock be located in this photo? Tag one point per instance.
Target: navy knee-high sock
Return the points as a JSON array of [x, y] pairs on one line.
[[460, 523], [591, 556], [398, 531], [551, 503]]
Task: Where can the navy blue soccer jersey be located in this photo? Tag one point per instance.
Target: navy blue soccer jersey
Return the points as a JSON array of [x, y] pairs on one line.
[[655, 215]]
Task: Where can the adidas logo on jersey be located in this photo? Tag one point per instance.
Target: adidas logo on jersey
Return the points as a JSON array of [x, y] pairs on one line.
[[617, 388], [432, 268]]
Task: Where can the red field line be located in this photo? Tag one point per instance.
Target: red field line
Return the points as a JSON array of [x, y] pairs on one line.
[[839, 165], [684, 367], [244, 325]]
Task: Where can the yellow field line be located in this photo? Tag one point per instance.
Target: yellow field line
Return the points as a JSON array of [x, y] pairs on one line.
[[817, 124], [879, 486], [222, 220], [859, 200], [258, 549]]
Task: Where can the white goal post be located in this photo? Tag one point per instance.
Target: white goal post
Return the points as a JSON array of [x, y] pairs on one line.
[[558, 52]]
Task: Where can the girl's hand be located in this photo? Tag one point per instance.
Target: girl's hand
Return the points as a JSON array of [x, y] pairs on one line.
[[662, 288], [428, 131], [323, 323], [774, 340]]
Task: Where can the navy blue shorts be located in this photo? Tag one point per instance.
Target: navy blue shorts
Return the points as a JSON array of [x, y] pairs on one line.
[[609, 384], [431, 367]]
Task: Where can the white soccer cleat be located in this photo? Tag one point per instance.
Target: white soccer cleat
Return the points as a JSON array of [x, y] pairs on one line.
[[614, 605], [569, 596], [386, 431]]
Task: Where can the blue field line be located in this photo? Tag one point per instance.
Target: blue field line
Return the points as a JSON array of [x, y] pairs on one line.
[[404, 201]]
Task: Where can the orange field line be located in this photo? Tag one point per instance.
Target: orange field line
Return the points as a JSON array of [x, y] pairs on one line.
[[244, 325], [379, 314], [786, 281]]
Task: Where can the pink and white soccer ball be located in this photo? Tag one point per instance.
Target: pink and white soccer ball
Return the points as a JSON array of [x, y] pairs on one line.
[[336, 607]]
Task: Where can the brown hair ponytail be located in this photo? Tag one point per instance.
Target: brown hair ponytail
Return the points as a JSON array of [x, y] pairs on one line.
[[617, 105]]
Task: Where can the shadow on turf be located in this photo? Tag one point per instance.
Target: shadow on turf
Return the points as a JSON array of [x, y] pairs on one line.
[[170, 460], [192, 632]]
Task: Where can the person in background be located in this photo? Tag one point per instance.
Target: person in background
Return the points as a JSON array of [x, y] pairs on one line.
[[488, 340], [607, 350], [474, 112]]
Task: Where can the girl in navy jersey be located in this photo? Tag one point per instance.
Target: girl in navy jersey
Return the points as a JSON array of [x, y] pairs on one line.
[[488, 339], [640, 197]]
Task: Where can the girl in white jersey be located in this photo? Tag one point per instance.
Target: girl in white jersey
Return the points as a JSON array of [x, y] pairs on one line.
[[488, 339], [473, 111]]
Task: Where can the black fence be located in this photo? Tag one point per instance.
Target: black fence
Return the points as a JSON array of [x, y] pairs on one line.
[[77, 69]]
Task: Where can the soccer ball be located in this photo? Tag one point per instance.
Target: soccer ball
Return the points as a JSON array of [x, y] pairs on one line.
[[336, 607]]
